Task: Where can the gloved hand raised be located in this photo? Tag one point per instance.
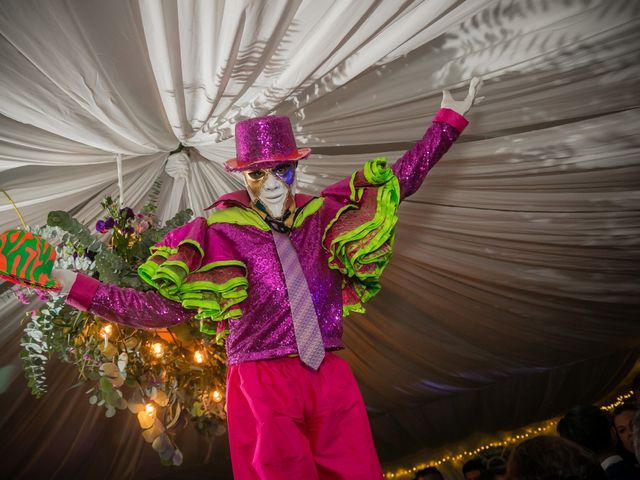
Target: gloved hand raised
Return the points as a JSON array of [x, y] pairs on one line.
[[462, 106], [64, 277]]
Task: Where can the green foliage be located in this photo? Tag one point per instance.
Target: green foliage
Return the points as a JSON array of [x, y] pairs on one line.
[[119, 363], [78, 232], [111, 267], [35, 346], [154, 193]]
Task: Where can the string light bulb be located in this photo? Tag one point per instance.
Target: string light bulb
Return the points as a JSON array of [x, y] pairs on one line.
[[511, 440], [106, 331], [150, 409], [157, 349], [198, 356], [217, 396]]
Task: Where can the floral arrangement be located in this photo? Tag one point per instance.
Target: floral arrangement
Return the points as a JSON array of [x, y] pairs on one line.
[[167, 378]]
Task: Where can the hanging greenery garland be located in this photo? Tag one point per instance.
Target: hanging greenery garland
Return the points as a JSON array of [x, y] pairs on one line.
[[168, 378]]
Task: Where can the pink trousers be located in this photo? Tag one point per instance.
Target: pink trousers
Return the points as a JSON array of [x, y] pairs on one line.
[[289, 422]]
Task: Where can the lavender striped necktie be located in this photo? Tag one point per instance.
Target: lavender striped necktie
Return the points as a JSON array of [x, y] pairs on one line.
[[305, 320]]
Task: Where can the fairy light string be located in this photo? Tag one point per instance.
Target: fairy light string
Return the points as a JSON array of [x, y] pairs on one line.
[[510, 440]]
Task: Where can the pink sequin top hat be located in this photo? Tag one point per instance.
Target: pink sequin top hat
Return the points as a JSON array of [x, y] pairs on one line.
[[264, 142]]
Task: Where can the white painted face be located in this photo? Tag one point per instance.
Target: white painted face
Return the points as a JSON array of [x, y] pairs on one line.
[[273, 195], [273, 187]]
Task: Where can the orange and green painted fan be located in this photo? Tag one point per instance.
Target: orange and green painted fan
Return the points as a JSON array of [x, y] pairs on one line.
[[27, 259]]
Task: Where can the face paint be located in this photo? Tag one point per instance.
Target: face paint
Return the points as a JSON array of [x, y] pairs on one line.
[[272, 187]]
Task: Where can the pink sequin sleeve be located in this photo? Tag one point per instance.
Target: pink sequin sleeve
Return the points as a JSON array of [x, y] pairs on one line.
[[126, 306], [412, 168]]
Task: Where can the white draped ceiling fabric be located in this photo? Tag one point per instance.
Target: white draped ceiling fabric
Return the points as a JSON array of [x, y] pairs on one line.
[[514, 285]]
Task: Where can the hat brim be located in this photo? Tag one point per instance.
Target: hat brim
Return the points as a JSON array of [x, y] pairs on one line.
[[233, 165], [52, 285]]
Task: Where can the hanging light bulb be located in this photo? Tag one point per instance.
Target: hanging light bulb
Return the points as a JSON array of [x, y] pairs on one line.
[[217, 396], [150, 409], [106, 331], [198, 356], [157, 349]]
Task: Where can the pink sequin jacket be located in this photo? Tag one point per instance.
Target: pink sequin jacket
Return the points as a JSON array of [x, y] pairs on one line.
[[225, 273]]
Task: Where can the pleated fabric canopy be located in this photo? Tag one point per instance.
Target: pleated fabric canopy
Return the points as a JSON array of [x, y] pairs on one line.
[[513, 292]]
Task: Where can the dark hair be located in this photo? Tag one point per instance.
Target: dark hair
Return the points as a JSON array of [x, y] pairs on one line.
[[490, 474], [635, 385], [428, 471], [552, 458], [473, 464], [588, 426], [625, 407]]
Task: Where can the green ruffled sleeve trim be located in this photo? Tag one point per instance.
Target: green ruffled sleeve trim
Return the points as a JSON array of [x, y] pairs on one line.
[[214, 289], [166, 275], [361, 250]]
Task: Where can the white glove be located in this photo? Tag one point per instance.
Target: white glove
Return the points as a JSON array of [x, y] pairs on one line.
[[462, 107], [64, 277]]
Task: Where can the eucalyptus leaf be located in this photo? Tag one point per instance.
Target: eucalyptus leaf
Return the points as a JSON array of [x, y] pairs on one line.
[[105, 385], [108, 349], [110, 369], [162, 444], [77, 231], [136, 402], [112, 398], [110, 267], [177, 457]]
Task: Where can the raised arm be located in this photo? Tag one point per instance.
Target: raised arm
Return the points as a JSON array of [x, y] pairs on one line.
[[126, 306], [412, 168]]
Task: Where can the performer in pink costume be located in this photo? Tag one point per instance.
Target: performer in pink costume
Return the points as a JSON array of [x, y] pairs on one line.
[[273, 273]]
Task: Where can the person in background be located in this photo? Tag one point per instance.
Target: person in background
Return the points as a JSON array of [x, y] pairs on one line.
[[591, 428], [429, 473], [472, 469], [496, 467], [636, 435], [493, 474], [622, 418], [552, 458]]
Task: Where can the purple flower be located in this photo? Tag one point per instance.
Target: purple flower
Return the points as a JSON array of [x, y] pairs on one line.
[[22, 297], [86, 357], [129, 230], [127, 211], [109, 223], [42, 294], [100, 228]]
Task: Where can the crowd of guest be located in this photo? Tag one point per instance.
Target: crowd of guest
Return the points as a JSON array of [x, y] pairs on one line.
[[591, 445]]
